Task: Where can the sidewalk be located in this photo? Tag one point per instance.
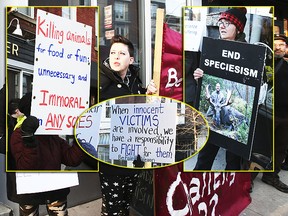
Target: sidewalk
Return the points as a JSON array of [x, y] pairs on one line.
[[266, 201], [92, 208], [88, 209]]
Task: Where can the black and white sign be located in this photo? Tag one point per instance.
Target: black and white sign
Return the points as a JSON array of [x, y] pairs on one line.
[[229, 93]]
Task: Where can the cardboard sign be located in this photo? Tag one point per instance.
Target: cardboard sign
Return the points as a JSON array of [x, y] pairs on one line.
[[108, 17], [61, 82], [143, 129], [237, 68], [193, 32], [41, 182]]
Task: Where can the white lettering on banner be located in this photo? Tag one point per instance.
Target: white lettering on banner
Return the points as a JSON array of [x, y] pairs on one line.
[[169, 199], [231, 68], [172, 75], [230, 54], [199, 188]]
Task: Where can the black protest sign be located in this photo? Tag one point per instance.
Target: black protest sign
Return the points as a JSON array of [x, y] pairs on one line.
[[143, 199], [229, 94]]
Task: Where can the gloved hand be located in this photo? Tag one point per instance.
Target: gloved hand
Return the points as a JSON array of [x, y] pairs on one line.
[[138, 162], [88, 147], [28, 128]]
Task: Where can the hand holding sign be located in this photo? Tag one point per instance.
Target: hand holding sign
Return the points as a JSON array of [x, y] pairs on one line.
[[198, 73]]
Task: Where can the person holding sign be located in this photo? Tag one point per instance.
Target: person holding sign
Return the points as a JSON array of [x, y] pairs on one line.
[[281, 114], [38, 152], [119, 77], [231, 26]]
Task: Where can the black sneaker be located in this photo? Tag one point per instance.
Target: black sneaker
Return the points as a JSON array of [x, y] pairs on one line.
[[275, 182]]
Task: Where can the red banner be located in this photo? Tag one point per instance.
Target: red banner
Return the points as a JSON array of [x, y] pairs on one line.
[[183, 194], [171, 78]]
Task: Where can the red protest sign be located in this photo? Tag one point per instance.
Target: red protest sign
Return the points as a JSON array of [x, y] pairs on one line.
[[171, 78], [180, 193], [167, 69]]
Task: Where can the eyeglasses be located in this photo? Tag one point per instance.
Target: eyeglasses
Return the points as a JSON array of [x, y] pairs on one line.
[[224, 23]]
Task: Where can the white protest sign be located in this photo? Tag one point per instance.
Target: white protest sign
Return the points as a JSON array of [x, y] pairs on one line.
[[145, 129], [88, 126], [61, 82], [41, 182], [193, 33]]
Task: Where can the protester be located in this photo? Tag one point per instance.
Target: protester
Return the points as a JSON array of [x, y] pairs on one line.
[[38, 152], [119, 77], [231, 25], [280, 114]]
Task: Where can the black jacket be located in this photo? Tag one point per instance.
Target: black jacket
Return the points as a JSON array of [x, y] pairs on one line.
[[111, 84], [281, 89]]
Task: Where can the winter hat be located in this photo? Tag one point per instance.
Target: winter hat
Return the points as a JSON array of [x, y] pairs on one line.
[[280, 37], [25, 104], [29, 126], [237, 16]]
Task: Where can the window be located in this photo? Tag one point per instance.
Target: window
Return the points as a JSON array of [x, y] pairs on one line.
[[27, 83], [121, 11], [122, 30], [81, 2], [103, 152], [66, 12], [20, 82], [14, 80], [29, 11], [153, 10], [69, 13], [108, 109]]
